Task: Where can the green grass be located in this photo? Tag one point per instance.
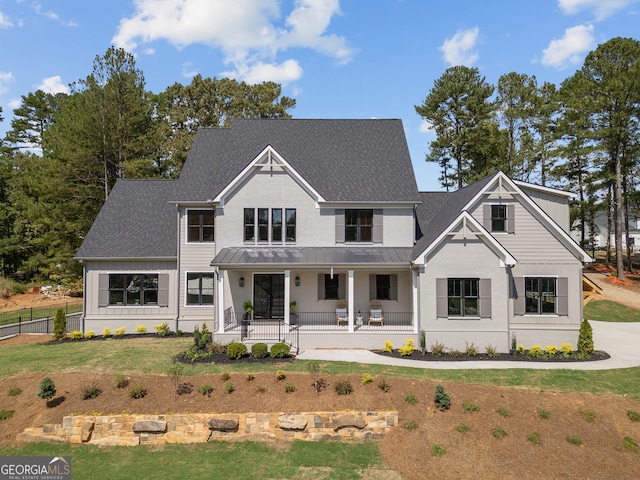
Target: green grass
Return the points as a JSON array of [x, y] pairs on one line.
[[217, 460], [608, 311], [37, 313]]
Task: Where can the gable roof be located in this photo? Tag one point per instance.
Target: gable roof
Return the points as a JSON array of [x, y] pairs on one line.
[[136, 221], [343, 160]]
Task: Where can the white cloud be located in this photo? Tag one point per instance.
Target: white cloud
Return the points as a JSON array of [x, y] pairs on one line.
[[5, 77], [569, 49], [15, 103], [53, 85], [460, 49], [250, 33], [285, 72], [49, 14], [5, 22], [189, 70], [426, 126], [601, 8]]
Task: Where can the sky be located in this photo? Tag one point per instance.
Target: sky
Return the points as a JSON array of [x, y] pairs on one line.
[[337, 58]]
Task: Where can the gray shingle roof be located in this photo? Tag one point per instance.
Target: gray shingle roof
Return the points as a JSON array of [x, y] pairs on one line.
[[343, 160], [136, 221]]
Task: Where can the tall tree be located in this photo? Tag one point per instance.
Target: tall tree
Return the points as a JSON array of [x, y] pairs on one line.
[[612, 74], [31, 119], [458, 107], [544, 125]]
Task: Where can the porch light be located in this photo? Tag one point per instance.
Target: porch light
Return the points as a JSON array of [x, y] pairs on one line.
[[241, 281], [297, 281]]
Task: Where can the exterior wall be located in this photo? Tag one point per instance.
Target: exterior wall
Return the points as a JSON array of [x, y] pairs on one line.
[[98, 318], [556, 206], [465, 258]]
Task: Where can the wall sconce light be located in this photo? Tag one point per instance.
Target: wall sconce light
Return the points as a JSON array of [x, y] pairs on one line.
[[241, 281], [297, 280]]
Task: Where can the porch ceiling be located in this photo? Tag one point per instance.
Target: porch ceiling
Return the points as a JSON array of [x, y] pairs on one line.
[[312, 256]]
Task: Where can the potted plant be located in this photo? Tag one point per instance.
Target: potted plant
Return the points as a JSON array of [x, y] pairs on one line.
[[292, 312], [248, 309]]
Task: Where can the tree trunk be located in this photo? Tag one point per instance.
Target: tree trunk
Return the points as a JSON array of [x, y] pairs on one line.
[[618, 217]]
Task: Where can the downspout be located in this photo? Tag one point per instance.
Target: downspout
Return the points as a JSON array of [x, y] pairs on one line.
[[84, 293], [178, 268]]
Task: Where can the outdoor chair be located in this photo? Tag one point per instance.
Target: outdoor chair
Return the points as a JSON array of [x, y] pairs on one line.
[[376, 317], [342, 314]]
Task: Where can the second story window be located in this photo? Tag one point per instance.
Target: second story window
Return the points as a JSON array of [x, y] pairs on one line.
[[498, 218], [200, 224], [358, 225], [267, 225], [290, 219]]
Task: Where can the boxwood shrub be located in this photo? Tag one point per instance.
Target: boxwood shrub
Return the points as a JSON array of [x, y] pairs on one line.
[[236, 350], [280, 350], [259, 350]]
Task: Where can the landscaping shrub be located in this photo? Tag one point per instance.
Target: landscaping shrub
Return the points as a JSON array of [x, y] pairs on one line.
[[280, 375], [438, 349], [89, 334], [59, 325], [411, 399], [318, 383], [534, 438], [6, 414], [106, 332], [588, 415], [521, 349], [343, 387], [633, 416], [228, 387], [236, 350], [438, 450], [491, 351], [47, 389], [90, 392], [259, 350], [184, 388], [261, 389], [388, 346], [454, 353], [551, 350], [577, 441], [384, 386], [138, 392], [141, 329], [174, 373], [536, 351], [585, 338], [502, 411], [544, 414], [410, 425], [366, 379], [76, 335], [408, 348], [162, 329], [470, 350], [121, 381], [250, 376], [499, 433], [225, 376], [119, 332], [566, 349], [289, 387], [463, 428], [441, 398], [470, 407], [630, 444], [423, 341], [205, 389], [14, 391], [280, 350]]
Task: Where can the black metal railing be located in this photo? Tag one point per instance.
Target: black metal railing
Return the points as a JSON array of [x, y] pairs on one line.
[[329, 321], [40, 326], [272, 330], [37, 313]]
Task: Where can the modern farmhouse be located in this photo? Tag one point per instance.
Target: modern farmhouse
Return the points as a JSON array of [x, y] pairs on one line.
[[314, 232]]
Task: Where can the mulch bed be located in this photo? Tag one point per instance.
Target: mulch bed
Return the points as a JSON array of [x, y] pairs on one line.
[[505, 357]]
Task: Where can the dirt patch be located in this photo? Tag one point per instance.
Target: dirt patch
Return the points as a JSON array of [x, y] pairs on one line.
[[25, 301], [474, 454]]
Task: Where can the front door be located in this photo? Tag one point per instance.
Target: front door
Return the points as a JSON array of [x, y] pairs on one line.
[[268, 296]]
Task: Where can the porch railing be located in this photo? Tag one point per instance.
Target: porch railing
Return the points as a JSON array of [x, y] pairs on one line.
[[320, 321]]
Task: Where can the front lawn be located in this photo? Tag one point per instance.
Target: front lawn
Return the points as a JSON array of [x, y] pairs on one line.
[[608, 311]]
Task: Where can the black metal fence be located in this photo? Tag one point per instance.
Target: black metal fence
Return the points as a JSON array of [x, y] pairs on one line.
[[327, 321], [29, 314], [40, 326]]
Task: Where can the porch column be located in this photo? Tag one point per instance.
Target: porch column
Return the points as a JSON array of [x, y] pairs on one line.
[[287, 298], [351, 299], [220, 299], [414, 299]]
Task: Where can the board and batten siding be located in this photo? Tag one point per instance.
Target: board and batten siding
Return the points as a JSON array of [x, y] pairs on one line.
[[556, 206]]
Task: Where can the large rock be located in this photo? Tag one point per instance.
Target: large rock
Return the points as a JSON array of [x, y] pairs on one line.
[[348, 420], [292, 422], [223, 424], [149, 426], [87, 430]]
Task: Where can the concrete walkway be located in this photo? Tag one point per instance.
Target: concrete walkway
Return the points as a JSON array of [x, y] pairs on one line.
[[620, 340]]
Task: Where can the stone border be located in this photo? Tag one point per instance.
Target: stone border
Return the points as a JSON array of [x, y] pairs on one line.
[[131, 430]]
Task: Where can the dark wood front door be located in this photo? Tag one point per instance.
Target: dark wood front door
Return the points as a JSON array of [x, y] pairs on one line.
[[268, 296]]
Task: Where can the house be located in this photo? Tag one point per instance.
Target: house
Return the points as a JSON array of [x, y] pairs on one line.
[[604, 227], [294, 217]]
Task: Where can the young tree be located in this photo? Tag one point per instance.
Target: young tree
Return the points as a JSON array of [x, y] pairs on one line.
[[459, 110]]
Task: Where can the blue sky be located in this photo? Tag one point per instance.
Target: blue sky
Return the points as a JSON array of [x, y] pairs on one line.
[[338, 58]]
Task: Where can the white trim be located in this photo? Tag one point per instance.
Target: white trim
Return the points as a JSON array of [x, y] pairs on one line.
[[186, 225], [273, 158], [186, 290], [552, 191]]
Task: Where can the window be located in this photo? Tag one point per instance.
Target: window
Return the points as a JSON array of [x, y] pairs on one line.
[[358, 225], [498, 218], [290, 218], [199, 288], [383, 287], [269, 225], [200, 226], [331, 287], [540, 295], [462, 296], [133, 289]]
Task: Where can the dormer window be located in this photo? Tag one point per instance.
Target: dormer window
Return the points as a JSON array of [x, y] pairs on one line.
[[269, 225]]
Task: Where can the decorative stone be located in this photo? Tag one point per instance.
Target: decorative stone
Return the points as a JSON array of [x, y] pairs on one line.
[[149, 426], [223, 424], [292, 422], [186, 437], [87, 430], [116, 441], [348, 420], [39, 437]]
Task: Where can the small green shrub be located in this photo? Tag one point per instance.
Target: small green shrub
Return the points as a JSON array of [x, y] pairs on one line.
[[179, 333], [259, 350], [184, 388], [162, 329], [491, 351], [289, 387], [585, 338], [423, 341], [261, 389], [471, 350], [388, 346], [410, 425], [228, 387], [119, 332], [236, 350], [250, 376], [76, 335], [92, 391], [14, 391], [551, 350], [6, 414], [630, 444], [470, 407], [174, 372], [411, 399], [106, 332], [89, 334], [577, 441], [534, 437], [205, 389], [463, 428], [633, 416], [343, 387], [441, 399], [438, 450], [121, 381], [280, 375], [408, 348], [367, 379], [59, 325], [438, 349], [536, 351], [138, 392], [384, 386], [280, 350], [454, 353], [544, 414], [499, 433], [503, 412], [141, 329], [224, 376], [47, 389], [588, 415]]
